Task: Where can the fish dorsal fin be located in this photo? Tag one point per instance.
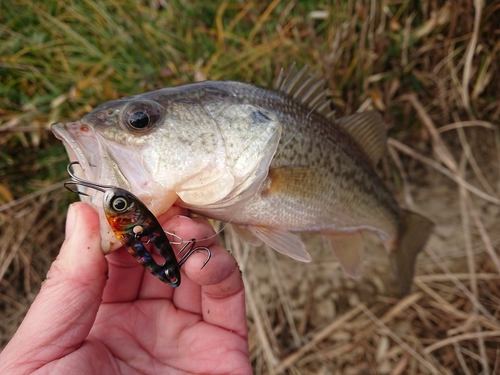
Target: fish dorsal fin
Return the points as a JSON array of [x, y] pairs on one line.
[[306, 89], [282, 241], [368, 130], [348, 248]]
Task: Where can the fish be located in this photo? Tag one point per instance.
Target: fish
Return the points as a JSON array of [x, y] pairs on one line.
[[273, 163]]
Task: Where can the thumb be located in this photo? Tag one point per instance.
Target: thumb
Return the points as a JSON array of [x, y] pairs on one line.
[[64, 311]]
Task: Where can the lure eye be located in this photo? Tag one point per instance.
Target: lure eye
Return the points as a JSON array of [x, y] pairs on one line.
[[141, 117], [119, 204]]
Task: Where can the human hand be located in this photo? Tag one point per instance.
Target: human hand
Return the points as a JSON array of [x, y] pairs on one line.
[[83, 322]]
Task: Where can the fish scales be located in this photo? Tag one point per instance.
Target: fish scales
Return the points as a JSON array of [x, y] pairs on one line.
[[272, 162], [339, 166]]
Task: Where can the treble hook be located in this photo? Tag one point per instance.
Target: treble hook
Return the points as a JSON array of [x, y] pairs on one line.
[[191, 251], [75, 180]]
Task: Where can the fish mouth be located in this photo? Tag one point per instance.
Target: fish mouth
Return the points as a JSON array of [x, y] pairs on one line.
[[75, 150], [82, 144], [95, 165]]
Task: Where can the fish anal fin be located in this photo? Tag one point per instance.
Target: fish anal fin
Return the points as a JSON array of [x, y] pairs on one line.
[[348, 248], [368, 130], [414, 233], [282, 241]]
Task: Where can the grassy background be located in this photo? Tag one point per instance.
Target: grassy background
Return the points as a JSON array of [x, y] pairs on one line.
[[424, 65]]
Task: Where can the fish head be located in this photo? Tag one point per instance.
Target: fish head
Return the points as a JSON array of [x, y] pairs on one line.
[[192, 144]]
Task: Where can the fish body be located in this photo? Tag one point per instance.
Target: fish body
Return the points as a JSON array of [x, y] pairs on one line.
[[271, 162]]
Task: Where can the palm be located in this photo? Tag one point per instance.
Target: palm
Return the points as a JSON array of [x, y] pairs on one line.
[[122, 342], [142, 330]]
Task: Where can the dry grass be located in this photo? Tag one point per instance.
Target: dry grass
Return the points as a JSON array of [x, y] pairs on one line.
[[430, 67]]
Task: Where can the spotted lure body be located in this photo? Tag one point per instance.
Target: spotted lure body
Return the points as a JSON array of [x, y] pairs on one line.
[[133, 223]]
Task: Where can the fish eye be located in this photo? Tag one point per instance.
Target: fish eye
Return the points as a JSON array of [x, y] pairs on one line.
[[119, 204], [139, 120], [141, 117]]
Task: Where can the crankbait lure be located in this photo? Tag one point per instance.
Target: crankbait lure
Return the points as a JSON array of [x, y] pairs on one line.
[[135, 226]]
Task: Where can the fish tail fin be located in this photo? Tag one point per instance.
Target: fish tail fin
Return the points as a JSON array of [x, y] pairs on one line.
[[413, 235]]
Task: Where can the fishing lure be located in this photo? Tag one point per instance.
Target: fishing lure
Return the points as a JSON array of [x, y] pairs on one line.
[[135, 226]]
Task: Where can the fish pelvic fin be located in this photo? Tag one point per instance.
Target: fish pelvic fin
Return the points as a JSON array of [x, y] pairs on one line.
[[247, 235], [348, 248], [282, 241], [414, 233]]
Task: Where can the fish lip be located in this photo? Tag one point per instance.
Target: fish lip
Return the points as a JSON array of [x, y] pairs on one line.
[[75, 150]]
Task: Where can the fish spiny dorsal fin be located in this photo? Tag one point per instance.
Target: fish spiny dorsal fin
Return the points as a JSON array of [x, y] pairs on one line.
[[306, 89], [281, 77], [368, 130], [293, 80], [330, 115]]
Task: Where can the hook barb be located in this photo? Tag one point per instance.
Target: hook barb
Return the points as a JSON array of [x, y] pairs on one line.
[[192, 250]]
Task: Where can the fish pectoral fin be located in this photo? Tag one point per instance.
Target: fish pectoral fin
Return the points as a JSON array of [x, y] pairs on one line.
[[246, 235], [348, 248], [368, 130], [413, 236], [282, 241], [299, 182]]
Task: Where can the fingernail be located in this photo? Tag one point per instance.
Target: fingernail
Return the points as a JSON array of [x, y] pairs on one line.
[[70, 221]]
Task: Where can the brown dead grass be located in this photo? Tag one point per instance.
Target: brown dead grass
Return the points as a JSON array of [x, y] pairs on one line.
[[31, 233], [432, 69]]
